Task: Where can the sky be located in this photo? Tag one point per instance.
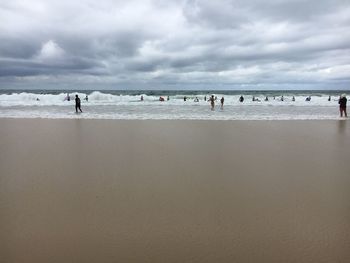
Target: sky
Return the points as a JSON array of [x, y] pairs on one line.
[[178, 44]]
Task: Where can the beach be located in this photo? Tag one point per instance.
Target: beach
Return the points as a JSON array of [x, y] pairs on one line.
[[77, 190]]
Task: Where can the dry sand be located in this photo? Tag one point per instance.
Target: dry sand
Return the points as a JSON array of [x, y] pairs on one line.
[[174, 191]]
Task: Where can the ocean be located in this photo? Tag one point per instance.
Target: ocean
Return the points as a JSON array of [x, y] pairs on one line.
[[117, 104]]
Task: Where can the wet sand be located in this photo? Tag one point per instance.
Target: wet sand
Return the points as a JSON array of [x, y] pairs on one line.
[[174, 191]]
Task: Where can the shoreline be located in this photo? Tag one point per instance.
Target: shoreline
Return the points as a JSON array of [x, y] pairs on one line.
[[169, 119]]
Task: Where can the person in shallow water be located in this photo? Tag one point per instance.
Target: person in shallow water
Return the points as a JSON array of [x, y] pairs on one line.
[[212, 102], [342, 105], [77, 104], [241, 99], [222, 102]]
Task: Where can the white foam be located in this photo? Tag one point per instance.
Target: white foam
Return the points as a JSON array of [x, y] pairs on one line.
[[99, 98], [108, 106]]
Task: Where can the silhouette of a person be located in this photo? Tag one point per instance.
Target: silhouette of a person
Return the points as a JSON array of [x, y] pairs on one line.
[[77, 104]]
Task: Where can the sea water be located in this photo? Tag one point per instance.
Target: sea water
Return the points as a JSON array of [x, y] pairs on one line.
[[128, 105]]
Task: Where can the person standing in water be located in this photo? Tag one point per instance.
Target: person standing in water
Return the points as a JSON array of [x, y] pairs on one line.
[[241, 98], [212, 102], [342, 105], [77, 104], [222, 103]]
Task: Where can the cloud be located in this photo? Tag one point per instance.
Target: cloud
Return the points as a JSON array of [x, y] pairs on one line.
[[50, 51], [155, 42]]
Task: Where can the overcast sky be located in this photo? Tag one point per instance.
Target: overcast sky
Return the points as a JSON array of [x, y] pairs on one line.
[[178, 44]]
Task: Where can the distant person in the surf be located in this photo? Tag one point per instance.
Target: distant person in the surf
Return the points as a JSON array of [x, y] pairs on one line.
[[329, 98], [241, 98], [77, 104], [212, 102], [266, 98], [293, 99], [141, 98], [185, 98], [308, 98], [68, 97], [196, 99], [161, 99], [222, 102], [168, 98], [205, 98], [282, 98], [86, 98], [342, 105]]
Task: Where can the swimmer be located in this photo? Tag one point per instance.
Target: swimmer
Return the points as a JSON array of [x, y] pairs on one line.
[[212, 102]]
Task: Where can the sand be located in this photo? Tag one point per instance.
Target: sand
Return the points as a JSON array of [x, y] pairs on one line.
[[174, 191]]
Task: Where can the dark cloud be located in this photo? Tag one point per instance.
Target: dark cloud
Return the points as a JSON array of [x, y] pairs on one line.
[[162, 42]]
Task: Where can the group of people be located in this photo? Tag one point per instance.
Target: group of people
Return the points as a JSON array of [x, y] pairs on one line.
[[212, 100], [342, 102]]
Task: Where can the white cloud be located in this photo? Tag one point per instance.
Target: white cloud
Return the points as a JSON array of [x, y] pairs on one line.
[[50, 51]]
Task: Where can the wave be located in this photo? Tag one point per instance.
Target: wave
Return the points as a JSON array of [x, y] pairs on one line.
[[99, 98]]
